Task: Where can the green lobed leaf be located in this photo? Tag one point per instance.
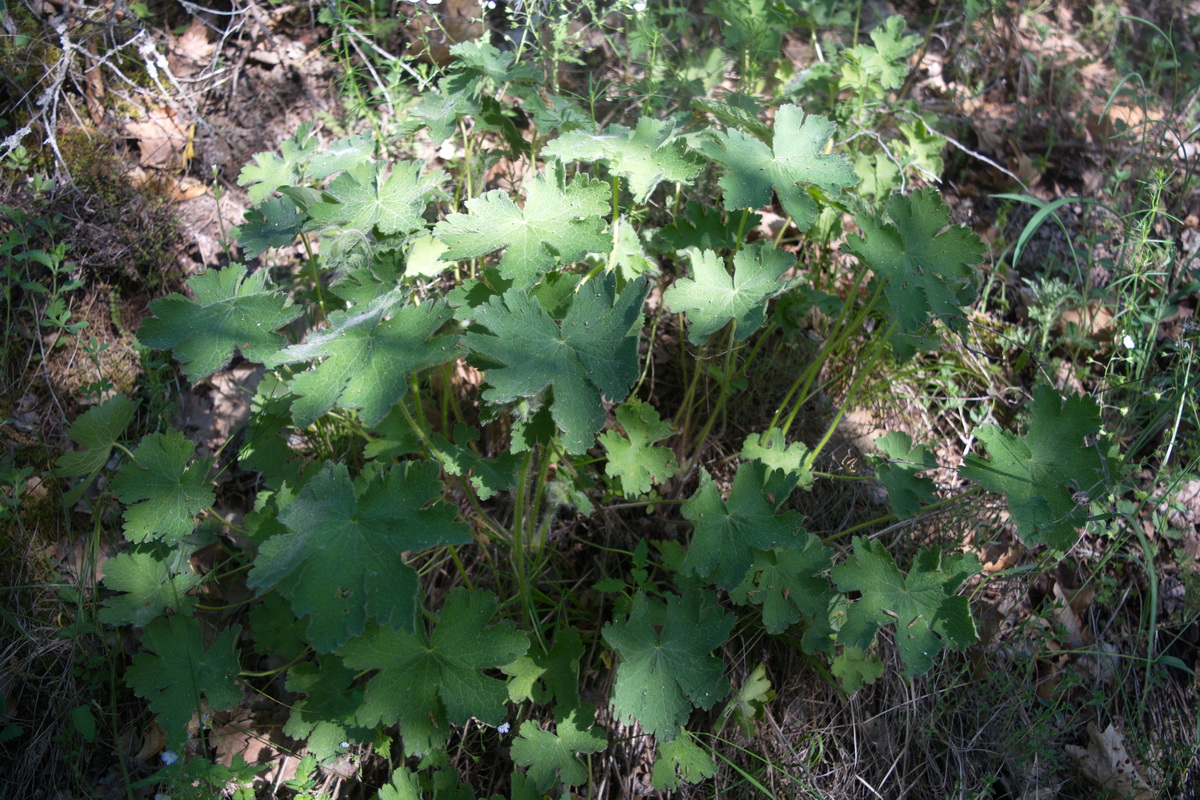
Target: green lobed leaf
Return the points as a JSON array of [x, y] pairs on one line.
[[927, 265], [275, 223], [148, 590], [178, 672], [592, 355], [899, 472], [1040, 473], [325, 717], [269, 171], [680, 761], [97, 430], [171, 490], [870, 69], [712, 298], [748, 702], [645, 157], [390, 202], [634, 458], [727, 532], [426, 682], [666, 667], [704, 228], [342, 561], [854, 667], [796, 160], [367, 356], [778, 456], [922, 605], [559, 224], [232, 313], [785, 583], [488, 476], [551, 757]]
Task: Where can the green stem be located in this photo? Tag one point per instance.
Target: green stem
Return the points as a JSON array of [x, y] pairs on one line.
[[722, 397], [864, 371]]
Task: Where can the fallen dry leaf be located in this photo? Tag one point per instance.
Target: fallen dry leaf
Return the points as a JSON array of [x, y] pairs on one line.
[[1106, 764], [162, 140]]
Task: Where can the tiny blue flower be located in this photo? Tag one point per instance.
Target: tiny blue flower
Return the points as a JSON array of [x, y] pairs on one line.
[[503, 728], [169, 757]]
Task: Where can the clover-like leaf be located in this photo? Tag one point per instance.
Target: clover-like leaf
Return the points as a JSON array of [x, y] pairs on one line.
[[551, 757], [666, 667], [729, 531], [342, 561], [269, 171], [97, 430], [367, 355], [369, 199], [711, 298], [681, 760], [1041, 473], [922, 605], [163, 492], [634, 458], [927, 265], [178, 673], [645, 157], [148, 587], [785, 583], [559, 224], [593, 354], [898, 472], [232, 313], [796, 161], [427, 682]]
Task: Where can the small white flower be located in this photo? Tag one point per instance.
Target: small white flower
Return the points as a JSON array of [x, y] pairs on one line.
[[503, 728], [639, 6], [346, 745], [1129, 342], [434, 2], [168, 757]]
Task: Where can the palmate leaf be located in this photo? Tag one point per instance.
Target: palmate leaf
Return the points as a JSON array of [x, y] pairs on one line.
[[681, 760], [922, 605], [325, 718], [773, 450], [488, 476], [712, 297], [593, 354], [178, 672], [97, 430], [162, 491], [795, 161], [370, 198], [928, 267], [233, 312], [729, 531], [269, 171], [559, 224], [1040, 473], [634, 458], [551, 757], [645, 157], [368, 353], [785, 583], [148, 589], [871, 70], [898, 472], [275, 223], [665, 666], [342, 561], [426, 682]]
